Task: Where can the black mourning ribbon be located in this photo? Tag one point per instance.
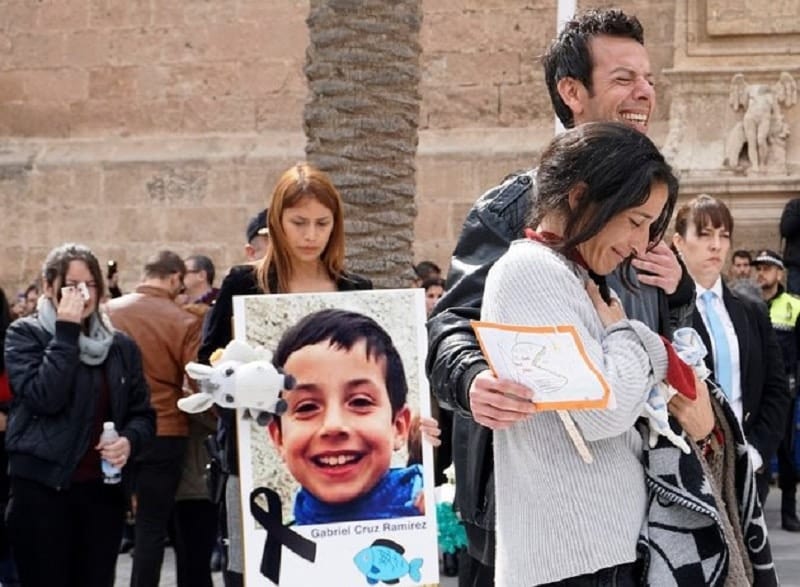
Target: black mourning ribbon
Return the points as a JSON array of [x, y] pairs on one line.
[[278, 535]]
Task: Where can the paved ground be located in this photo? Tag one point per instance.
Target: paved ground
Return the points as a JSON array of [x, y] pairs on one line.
[[785, 545], [785, 551]]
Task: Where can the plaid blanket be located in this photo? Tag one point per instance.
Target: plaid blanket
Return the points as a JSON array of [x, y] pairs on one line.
[[683, 541]]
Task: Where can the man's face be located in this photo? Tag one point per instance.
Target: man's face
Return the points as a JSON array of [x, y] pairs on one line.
[[257, 247], [740, 268], [768, 275], [194, 280], [175, 285], [337, 435], [18, 309], [622, 85]]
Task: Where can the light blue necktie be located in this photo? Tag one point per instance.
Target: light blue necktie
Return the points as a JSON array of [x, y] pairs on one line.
[[723, 371]]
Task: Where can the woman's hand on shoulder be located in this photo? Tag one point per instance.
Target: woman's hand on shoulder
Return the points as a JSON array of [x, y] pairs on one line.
[[609, 313]]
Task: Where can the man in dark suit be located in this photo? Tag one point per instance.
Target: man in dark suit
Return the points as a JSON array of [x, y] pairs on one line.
[[744, 355]]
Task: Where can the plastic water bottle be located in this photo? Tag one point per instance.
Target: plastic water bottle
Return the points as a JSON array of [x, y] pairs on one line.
[[111, 474]]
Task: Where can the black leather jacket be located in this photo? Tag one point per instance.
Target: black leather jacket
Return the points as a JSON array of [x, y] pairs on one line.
[[52, 411], [454, 356]]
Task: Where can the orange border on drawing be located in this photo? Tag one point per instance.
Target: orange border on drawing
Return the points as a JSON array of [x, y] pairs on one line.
[[561, 329]]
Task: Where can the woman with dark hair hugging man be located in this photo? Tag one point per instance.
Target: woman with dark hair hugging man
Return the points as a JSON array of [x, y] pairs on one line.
[[604, 194]]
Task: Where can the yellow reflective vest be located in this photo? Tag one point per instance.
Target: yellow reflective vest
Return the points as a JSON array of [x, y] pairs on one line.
[[784, 311]]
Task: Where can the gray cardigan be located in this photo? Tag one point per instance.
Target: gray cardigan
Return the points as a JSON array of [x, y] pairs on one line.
[[558, 517]]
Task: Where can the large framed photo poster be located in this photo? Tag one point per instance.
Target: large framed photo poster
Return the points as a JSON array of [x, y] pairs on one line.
[[338, 489]]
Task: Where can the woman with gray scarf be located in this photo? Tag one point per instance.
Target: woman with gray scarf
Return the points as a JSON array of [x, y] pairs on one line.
[[69, 372]]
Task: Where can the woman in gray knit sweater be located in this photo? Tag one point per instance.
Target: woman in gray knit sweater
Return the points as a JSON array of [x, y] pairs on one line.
[[604, 194]]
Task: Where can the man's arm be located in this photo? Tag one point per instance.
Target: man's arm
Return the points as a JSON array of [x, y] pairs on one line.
[[454, 357]]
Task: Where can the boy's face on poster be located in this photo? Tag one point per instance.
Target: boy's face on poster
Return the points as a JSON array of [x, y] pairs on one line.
[[337, 435]]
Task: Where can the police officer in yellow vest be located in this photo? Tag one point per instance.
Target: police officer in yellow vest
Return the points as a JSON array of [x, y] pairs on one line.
[[784, 310]]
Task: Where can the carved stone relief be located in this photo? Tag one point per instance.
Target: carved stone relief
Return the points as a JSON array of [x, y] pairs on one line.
[[752, 17], [757, 143]]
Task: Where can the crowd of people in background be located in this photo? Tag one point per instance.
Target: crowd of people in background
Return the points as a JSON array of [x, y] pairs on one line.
[[577, 240], [165, 494]]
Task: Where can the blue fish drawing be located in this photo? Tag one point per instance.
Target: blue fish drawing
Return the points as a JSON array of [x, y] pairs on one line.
[[384, 561]]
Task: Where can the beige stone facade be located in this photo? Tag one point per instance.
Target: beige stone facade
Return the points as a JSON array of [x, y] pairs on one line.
[[134, 125], [734, 73]]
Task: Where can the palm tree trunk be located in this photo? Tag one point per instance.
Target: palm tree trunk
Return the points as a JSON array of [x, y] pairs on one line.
[[361, 123]]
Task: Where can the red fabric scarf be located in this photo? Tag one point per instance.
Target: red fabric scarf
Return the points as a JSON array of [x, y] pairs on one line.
[[5, 390]]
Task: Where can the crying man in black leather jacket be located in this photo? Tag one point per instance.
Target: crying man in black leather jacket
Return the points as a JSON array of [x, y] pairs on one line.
[[597, 69]]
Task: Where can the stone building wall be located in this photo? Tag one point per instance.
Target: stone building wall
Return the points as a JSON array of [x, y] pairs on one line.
[[134, 125], [140, 124], [99, 68]]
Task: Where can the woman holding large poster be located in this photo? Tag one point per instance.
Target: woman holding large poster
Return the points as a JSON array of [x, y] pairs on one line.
[[306, 253]]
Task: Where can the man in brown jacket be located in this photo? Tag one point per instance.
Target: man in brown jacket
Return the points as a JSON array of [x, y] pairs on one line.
[[168, 337]]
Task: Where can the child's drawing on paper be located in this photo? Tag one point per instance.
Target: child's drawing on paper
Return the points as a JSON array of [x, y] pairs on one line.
[[548, 360], [529, 365]]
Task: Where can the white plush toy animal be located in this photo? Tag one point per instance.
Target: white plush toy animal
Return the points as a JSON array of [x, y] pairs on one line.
[[239, 377]]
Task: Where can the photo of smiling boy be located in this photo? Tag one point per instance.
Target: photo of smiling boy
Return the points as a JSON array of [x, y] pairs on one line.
[[345, 417]]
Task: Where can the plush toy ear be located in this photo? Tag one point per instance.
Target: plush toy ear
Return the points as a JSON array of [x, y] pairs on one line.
[[262, 354], [194, 404], [239, 351], [198, 371]]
